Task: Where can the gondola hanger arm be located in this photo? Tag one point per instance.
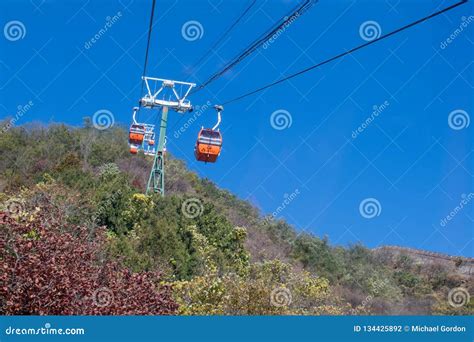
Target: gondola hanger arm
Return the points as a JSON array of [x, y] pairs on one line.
[[219, 109]]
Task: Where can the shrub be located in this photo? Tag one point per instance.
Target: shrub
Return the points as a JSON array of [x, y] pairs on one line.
[[47, 270], [270, 288]]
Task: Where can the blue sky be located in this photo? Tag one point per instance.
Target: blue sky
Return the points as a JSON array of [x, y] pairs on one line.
[[408, 159]]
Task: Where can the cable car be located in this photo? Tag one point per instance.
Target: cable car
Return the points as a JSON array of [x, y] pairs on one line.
[[209, 141], [133, 149], [136, 134], [208, 145]]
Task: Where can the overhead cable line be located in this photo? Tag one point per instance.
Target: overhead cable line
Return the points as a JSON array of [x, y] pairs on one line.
[[280, 25], [225, 34], [150, 29], [419, 21]]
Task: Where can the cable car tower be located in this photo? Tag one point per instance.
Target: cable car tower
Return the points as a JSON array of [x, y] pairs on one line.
[[170, 95]]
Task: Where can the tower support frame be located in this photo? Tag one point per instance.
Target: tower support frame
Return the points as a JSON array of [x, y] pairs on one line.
[[176, 102], [156, 180]]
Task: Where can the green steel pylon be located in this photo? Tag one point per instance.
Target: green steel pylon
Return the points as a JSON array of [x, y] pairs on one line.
[[165, 96], [156, 181]]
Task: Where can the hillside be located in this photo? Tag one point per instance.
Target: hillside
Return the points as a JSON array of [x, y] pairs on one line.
[[455, 264], [71, 199]]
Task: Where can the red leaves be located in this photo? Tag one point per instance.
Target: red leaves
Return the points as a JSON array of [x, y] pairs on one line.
[[53, 271]]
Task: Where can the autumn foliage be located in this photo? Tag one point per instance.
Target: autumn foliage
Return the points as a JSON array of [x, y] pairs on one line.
[[49, 269]]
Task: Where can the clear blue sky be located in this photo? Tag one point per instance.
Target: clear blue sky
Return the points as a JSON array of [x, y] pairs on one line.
[[408, 158]]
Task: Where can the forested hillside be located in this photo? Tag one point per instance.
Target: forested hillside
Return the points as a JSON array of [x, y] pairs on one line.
[[78, 236]]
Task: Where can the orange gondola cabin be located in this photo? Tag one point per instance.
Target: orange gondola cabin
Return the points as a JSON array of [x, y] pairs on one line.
[[135, 137], [208, 145], [136, 134]]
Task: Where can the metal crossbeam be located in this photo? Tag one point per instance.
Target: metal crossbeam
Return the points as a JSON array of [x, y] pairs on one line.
[[175, 101]]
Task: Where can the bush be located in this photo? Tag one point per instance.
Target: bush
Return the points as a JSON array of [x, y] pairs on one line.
[[270, 288], [164, 236], [49, 270]]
